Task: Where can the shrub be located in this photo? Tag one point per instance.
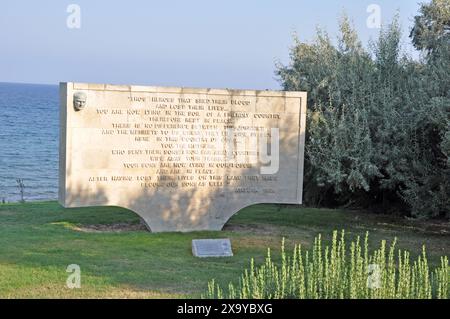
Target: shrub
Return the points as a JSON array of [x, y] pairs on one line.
[[377, 124]]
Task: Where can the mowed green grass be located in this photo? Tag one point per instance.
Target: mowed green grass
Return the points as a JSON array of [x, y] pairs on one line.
[[39, 240]]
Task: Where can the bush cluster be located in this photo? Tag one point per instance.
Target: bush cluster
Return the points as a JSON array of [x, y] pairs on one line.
[[378, 124]]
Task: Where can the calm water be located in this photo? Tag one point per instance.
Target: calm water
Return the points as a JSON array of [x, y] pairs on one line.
[[29, 141]]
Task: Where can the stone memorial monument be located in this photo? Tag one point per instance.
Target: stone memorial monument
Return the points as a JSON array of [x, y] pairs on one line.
[[183, 159]]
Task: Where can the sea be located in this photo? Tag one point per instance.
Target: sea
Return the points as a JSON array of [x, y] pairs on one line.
[[29, 128]]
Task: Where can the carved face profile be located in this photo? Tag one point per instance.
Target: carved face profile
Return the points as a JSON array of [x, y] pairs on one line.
[[79, 100]]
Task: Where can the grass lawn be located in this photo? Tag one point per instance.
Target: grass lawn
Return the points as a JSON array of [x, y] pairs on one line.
[[39, 240]]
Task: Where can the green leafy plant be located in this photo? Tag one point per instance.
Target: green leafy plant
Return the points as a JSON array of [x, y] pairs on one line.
[[378, 122], [340, 271]]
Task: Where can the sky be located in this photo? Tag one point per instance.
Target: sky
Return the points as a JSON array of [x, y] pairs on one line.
[[195, 43]]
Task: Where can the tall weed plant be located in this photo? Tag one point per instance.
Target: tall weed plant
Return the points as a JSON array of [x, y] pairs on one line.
[[340, 271]]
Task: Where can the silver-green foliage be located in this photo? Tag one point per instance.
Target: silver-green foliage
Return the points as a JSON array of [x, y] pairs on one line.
[[378, 125], [340, 271]]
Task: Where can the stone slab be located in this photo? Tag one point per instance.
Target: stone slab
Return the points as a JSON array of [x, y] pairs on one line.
[[212, 248], [183, 159]]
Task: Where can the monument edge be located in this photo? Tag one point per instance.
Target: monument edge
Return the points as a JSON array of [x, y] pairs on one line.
[[301, 147], [184, 90], [62, 143]]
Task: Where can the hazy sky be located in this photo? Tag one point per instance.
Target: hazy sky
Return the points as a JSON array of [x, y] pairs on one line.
[[222, 44]]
